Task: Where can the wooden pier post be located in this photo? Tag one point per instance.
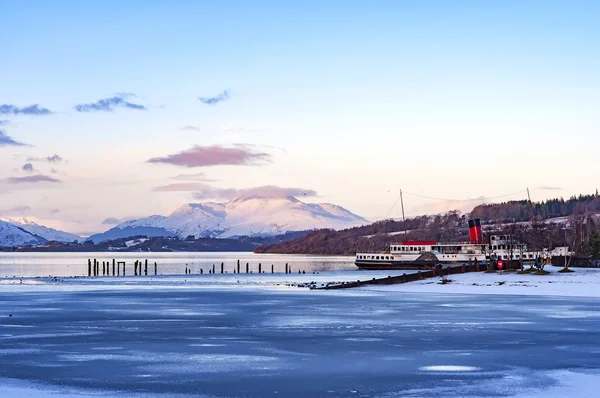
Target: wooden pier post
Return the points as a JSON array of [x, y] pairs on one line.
[[103, 268], [213, 271], [286, 268], [247, 267], [135, 267], [260, 268], [201, 271], [272, 268], [155, 266], [114, 264], [146, 267], [118, 270], [238, 266], [222, 267], [94, 271], [89, 267]]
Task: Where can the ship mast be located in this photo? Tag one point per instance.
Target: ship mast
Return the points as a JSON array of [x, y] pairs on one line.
[[402, 205]]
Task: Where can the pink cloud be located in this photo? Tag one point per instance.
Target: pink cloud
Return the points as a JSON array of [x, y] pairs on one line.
[[193, 177], [203, 156], [270, 191], [205, 191], [183, 187], [31, 179]]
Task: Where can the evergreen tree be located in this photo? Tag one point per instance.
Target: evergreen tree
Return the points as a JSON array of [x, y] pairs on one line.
[[594, 244]]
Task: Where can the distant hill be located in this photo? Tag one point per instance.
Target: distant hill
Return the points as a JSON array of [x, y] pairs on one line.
[[143, 243], [441, 227], [522, 211]]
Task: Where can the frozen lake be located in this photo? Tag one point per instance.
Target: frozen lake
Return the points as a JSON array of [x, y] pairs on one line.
[[212, 336]]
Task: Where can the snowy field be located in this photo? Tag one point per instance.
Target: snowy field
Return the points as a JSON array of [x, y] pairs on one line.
[[581, 283], [255, 336]]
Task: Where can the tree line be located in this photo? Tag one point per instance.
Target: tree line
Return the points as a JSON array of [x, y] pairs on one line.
[[579, 230]]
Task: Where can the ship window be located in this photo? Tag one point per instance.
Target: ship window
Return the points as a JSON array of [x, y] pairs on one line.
[[391, 257], [377, 258]]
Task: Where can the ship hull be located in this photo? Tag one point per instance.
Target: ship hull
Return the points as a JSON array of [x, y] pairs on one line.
[[400, 265]]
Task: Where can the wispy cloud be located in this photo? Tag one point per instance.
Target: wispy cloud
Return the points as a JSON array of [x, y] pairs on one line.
[[111, 221], [28, 167], [545, 188], [17, 210], [190, 128], [181, 187], [268, 191], [224, 96], [35, 110], [6, 140], [203, 156], [4, 122], [193, 177], [109, 104], [52, 159], [31, 179]]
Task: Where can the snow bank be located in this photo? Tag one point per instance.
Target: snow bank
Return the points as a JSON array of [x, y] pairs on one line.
[[581, 283]]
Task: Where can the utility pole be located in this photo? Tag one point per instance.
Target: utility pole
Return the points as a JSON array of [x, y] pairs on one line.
[[403, 218], [530, 204]]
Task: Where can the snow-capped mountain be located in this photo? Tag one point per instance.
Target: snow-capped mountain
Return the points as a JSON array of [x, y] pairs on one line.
[[49, 234], [251, 216], [11, 235]]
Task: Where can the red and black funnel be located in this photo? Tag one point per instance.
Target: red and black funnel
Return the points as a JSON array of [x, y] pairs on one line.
[[475, 233]]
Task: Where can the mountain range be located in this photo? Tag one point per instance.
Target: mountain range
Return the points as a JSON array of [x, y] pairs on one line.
[[23, 232], [244, 216]]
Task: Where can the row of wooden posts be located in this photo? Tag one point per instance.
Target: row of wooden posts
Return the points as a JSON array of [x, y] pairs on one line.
[[94, 268], [238, 270]]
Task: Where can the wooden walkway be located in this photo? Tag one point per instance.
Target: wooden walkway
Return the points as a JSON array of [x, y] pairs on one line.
[[417, 276]]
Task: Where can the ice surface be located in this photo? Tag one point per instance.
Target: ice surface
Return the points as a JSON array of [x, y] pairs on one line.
[[258, 336]]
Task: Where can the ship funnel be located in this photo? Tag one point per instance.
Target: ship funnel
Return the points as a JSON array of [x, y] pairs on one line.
[[475, 233]]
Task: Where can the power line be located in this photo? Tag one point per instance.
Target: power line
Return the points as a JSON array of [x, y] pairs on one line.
[[394, 205], [463, 200]]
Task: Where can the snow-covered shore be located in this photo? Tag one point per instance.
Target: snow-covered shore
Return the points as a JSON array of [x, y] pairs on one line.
[[583, 282]]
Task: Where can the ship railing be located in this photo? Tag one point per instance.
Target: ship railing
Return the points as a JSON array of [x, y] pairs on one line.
[[443, 244]]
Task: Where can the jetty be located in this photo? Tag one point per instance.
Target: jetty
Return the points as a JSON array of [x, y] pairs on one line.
[[420, 275]]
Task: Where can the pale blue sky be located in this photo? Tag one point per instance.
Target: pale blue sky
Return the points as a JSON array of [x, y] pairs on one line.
[[353, 100]]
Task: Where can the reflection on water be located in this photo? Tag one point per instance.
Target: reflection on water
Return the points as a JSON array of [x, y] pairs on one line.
[[75, 264]]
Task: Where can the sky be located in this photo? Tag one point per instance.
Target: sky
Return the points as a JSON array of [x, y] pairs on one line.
[[111, 110]]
